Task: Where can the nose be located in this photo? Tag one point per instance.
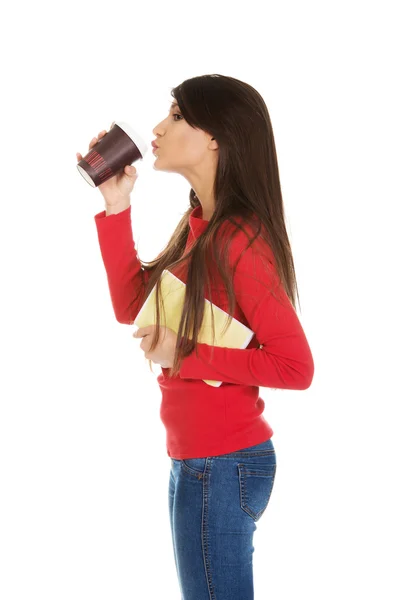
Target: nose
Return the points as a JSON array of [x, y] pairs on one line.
[[156, 129]]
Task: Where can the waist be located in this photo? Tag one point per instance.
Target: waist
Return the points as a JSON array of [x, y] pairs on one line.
[[202, 420]]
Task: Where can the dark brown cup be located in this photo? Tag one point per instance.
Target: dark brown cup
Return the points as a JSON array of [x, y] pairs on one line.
[[121, 146]]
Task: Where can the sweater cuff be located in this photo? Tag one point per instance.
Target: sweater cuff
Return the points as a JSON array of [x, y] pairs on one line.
[[124, 214]]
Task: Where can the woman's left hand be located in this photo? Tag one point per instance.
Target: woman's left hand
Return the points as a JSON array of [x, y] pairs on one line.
[[163, 354]]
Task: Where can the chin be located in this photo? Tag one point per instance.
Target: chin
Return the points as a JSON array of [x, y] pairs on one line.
[[158, 167]]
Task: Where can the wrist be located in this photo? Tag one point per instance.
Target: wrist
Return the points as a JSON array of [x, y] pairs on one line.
[[117, 207]]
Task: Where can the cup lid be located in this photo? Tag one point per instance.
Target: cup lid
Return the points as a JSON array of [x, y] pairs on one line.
[[134, 135]]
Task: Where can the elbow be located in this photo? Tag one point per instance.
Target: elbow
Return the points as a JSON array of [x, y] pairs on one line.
[[123, 318], [308, 376], [307, 384], [124, 322], [300, 379]]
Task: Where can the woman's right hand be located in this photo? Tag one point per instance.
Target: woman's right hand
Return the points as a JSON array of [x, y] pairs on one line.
[[120, 185]]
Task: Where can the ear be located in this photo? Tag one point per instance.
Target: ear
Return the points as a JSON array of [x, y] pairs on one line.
[[215, 145]]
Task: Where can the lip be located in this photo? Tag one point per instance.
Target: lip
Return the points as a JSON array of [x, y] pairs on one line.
[[154, 144]]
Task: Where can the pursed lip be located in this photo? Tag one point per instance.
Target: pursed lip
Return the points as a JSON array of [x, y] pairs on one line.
[[154, 144]]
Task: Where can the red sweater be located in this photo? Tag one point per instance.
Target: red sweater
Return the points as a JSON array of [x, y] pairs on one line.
[[202, 420]]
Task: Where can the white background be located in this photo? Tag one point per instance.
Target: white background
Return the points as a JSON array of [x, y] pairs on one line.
[[83, 464]]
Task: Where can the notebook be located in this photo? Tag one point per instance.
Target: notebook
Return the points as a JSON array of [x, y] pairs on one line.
[[172, 289]]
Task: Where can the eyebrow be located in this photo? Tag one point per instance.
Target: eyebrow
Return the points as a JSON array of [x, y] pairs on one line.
[[173, 105]]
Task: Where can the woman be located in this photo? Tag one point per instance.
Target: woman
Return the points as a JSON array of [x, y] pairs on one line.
[[231, 248]]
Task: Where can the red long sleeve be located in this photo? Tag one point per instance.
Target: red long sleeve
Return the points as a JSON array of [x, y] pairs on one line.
[[284, 361], [124, 271]]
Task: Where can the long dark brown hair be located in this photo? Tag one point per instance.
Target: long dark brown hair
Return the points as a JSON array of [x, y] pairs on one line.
[[247, 194]]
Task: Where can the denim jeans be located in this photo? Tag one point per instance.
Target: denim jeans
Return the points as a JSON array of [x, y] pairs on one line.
[[214, 503]]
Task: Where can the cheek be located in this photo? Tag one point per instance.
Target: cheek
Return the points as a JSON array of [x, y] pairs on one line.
[[190, 145], [190, 152]]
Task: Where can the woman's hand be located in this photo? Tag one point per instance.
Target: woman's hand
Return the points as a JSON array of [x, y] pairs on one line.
[[118, 187], [163, 354]]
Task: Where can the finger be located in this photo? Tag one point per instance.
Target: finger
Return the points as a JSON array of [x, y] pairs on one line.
[[93, 143], [78, 156], [102, 133], [131, 171]]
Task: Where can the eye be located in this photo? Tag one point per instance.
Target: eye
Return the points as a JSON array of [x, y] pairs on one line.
[[177, 115]]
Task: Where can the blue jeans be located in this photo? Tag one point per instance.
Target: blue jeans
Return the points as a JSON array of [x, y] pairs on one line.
[[214, 503]]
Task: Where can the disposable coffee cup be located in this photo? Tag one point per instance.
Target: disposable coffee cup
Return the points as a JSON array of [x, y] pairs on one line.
[[121, 146]]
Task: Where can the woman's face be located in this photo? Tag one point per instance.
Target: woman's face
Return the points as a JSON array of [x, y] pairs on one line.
[[182, 149]]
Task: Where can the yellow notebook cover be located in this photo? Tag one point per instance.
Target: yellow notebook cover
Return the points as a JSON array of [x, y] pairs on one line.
[[237, 335]]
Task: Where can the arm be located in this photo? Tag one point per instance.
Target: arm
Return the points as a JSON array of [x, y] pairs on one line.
[[124, 270], [284, 361]]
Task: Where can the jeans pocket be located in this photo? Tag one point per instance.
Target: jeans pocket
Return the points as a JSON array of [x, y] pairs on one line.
[[194, 466], [256, 483]]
